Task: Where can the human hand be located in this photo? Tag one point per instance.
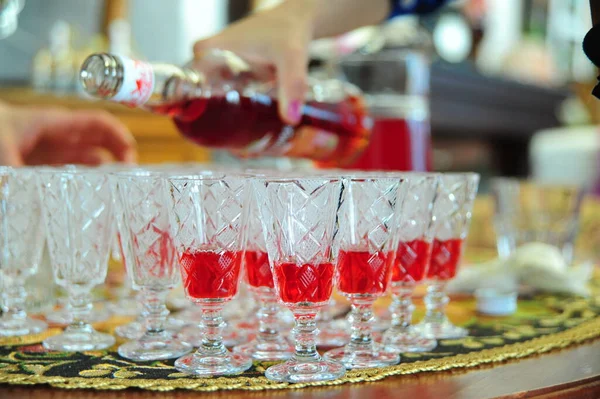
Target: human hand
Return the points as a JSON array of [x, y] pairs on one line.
[[53, 136], [278, 37]]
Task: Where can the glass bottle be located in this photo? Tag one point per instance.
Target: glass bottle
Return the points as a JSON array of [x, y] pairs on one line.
[[63, 67], [220, 102]]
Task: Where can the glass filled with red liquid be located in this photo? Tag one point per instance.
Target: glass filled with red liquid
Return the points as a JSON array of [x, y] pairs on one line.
[[206, 219], [269, 344], [299, 218], [451, 219], [396, 87], [366, 257], [411, 265]]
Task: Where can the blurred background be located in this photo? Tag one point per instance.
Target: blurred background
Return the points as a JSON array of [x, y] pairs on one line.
[[507, 84]]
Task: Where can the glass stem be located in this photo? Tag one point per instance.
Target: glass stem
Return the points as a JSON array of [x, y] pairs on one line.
[[80, 303], [267, 318], [435, 303], [13, 301], [361, 319], [139, 297], [212, 324], [402, 307], [305, 333], [155, 311]]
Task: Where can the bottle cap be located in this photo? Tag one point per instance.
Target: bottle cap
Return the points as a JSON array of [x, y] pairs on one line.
[[496, 302]]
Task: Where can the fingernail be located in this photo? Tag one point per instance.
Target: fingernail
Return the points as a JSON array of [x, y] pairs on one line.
[[294, 111]]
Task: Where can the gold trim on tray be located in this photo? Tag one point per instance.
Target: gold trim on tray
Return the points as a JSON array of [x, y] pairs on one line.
[[583, 332]]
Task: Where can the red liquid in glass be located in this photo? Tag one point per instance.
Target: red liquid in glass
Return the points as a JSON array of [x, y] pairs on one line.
[[412, 261], [361, 272], [397, 144], [445, 256], [332, 134], [258, 270], [304, 283], [210, 274]]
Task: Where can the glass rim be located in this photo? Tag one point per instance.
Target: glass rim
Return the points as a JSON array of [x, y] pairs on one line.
[[468, 175], [397, 55], [73, 172], [209, 176], [136, 173], [540, 184], [292, 179], [7, 169], [373, 178]]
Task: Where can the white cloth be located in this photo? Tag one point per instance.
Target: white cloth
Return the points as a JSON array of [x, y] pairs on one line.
[[535, 265]]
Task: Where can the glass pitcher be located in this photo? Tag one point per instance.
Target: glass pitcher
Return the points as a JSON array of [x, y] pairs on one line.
[[396, 88]]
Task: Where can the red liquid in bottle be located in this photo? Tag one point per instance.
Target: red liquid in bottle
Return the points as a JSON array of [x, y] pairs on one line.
[[210, 274], [412, 261], [445, 256], [258, 270], [361, 272], [304, 283], [332, 134]]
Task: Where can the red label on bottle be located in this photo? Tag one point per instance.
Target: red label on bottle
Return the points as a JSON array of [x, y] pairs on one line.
[[138, 83]]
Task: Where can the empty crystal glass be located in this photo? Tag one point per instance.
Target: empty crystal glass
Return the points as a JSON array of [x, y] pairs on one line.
[[413, 254], [77, 209], [143, 225], [269, 344], [366, 244], [126, 302], [299, 217], [526, 212], [451, 219], [206, 219], [21, 245]]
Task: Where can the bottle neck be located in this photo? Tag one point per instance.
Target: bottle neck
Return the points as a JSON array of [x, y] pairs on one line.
[[138, 83]]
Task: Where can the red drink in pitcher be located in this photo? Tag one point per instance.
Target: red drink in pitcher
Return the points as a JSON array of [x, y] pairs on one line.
[[401, 135], [445, 257], [304, 283], [208, 274], [362, 272], [412, 261], [258, 270]]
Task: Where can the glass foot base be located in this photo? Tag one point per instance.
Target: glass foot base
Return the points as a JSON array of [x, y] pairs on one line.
[[362, 359], [295, 371], [79, 341], [10, 327], [210, 366], [407, 340], [136, 329], [444, 330], [154, 349], [64, 316], [269, 351], [193, 336]]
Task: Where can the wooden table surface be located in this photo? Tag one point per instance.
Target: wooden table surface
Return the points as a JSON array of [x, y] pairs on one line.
[[571, 373]]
